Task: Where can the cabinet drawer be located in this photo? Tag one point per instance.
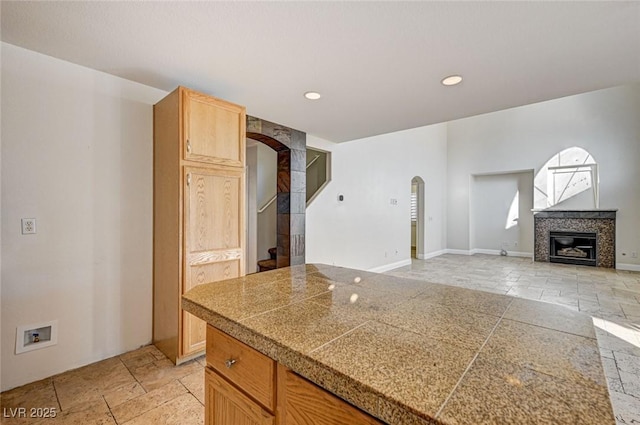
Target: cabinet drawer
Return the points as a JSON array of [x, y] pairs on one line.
[[251, 371]]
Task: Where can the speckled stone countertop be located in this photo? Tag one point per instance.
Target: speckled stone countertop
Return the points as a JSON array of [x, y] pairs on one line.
[[414, 352]]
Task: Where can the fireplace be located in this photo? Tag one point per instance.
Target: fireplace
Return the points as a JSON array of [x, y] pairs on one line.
[[573, 248], [586, 237]]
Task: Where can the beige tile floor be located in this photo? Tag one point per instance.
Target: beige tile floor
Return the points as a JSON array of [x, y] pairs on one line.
[[142, 387], [611, 297]]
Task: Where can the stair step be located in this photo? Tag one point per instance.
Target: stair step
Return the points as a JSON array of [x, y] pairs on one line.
[[264, 265]]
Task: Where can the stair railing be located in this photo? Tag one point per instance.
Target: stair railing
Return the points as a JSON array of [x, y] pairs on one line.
[[265, 206]]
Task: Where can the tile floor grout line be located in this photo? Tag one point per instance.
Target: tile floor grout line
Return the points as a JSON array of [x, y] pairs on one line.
[[442, 406], [156, 406], [135, 379], [133, 375], [110, 412], [55, 391], [188, 390]]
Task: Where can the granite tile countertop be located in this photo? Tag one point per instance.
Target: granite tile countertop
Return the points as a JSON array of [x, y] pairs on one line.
[[414, 352]]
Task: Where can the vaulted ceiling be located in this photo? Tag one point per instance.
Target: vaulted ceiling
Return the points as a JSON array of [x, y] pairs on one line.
[[378, 65]]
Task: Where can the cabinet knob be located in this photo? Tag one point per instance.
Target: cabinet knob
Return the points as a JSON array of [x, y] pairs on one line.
[[229, 363], [188, 146]]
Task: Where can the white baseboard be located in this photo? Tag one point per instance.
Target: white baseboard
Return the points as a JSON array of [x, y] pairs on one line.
[[497, 252], [485, 251], [628, 267], [431, 254], [402, 263], [520, 254], [387, 267], [457, 251]]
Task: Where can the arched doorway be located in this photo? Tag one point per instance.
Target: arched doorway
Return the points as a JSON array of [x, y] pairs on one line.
[[290, 146], [417, 218]]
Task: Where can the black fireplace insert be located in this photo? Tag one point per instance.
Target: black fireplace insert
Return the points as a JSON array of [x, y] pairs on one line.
[[573, 248]]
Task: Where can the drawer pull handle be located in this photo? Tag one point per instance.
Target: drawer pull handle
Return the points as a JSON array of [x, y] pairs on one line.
[[229, 363]]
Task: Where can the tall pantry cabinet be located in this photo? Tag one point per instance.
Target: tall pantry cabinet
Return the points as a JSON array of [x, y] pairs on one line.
[[198, 207]]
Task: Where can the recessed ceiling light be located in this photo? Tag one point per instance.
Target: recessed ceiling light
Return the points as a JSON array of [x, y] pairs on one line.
[[452, 80], [312, 95]]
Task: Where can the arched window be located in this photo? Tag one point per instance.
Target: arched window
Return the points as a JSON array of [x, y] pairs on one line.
[[567, 174]]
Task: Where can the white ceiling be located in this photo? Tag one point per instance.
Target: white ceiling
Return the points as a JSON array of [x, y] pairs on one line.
[[378, 65]]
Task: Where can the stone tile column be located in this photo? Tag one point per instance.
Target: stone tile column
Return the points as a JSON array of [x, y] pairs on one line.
[[291, 147]]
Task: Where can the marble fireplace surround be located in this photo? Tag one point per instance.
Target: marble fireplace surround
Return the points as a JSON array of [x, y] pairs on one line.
[[600, 222]]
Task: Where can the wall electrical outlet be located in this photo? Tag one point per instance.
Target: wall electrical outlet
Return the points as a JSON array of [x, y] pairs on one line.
[[634, 254], [28, 226]]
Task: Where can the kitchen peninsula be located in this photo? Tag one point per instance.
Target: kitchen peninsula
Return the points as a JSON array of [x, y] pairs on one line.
[[401, 351]]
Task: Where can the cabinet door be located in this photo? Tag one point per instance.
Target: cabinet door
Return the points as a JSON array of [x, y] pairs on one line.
[[213, 237], [225, 405], [304, 403], [214, 130]]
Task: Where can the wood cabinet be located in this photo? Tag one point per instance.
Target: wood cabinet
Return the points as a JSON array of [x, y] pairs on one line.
[[251, 371], [226, 405], [243, 386], [209, 126], [239, 383], [199, 198], [303, 403]]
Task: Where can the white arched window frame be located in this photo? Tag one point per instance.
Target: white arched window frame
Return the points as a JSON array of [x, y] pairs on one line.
[[566, 174], [563, 175]]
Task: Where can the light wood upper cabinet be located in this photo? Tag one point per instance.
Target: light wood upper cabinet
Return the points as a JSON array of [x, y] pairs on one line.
[[199, 198], [209, 125]]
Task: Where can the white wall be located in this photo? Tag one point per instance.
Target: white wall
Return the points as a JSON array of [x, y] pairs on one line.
[[492, 196], [365, 231], [77, 154], [605, 123], [525, 215], [267, 174], [251, 265]]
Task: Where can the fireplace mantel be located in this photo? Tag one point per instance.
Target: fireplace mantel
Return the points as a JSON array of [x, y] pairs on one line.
[[575, 213], [602, 222]]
